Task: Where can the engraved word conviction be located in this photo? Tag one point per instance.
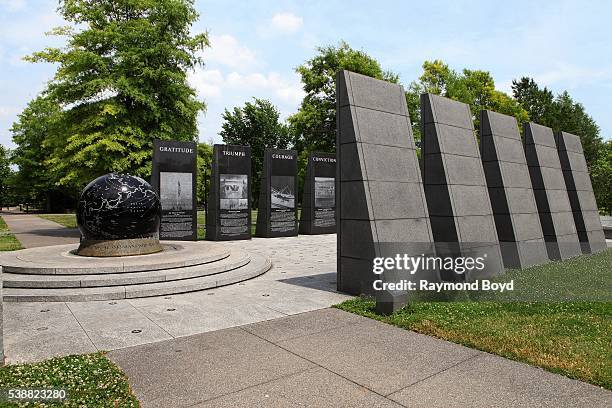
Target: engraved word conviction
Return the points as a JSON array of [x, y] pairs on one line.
[[324, 159]]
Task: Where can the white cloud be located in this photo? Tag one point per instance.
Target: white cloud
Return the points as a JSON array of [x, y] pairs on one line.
[[504, 86], [9, 111], [213, 83], [572, 75], [225, 49], [225, 90], [287, 22], [207, 83], [30, 32], [16, 59], [12, 5]]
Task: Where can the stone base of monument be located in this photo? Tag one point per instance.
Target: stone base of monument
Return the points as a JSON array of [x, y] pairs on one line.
[[57, 274], [119, 247]]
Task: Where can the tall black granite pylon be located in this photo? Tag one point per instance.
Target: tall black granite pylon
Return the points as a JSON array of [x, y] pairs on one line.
[[380, 197], [277, 215], [580, 192], [457, 197], [319, 199], [229, 200], [514, 208], [550, 192], [174, 177]]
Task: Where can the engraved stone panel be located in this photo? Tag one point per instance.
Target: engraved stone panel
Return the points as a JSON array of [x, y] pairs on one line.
[[174, 177], [277, 215], [229, 200], [380, 194], [580, 192], [512, 199], [319, 199], [550, 193], [455, 186]]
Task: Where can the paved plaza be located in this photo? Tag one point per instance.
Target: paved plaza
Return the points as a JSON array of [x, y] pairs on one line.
[[303, 278]]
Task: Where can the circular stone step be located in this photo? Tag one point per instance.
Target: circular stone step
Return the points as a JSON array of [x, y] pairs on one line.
[[235, 260], [60, 259], [256, 266]]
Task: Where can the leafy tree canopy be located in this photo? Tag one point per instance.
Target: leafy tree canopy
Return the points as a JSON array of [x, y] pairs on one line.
[[601, 175], [39, 123], [121, 83], [561, 113], [5, 175], [257, 125], [205, 153], [473, 87]]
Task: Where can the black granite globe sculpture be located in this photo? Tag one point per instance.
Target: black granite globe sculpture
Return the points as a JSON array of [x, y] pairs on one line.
[[118, 215]]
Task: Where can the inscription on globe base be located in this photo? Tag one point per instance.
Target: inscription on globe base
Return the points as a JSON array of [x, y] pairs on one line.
[[120, 247]]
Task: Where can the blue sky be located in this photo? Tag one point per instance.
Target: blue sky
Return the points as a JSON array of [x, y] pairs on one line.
[[565, 45]]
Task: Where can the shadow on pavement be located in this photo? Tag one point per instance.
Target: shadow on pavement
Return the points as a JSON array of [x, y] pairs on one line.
[[323, 281]]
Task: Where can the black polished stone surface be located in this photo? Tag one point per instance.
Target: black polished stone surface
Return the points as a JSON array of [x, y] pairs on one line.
[[118, 206]]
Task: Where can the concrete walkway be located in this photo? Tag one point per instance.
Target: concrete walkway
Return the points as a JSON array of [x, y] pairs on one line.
[[33, 231], [330, 358]]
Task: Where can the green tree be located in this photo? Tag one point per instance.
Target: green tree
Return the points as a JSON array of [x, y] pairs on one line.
[[570, 116], [538, 102], [601, 175], [122, 82], [5, 176], [257, 125], [38, 124], [205, 154], [561, 113], [314, 125], [473, 87]]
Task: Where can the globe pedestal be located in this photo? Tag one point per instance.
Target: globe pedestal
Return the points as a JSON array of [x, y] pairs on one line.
[[118, 215], [119, 247]]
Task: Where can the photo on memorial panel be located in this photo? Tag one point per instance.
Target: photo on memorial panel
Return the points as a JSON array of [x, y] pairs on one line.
[[175, 191], [283, 192], [325, 195], [234, 191]]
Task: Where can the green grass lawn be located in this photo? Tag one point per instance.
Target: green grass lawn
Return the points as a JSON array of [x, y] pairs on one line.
[[67, 220], [91, 380], [8, 242], [570, 338]]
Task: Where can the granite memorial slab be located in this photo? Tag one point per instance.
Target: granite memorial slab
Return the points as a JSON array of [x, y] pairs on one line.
[[229, 200], [457, 196], [174, 177], [514, 208], [580, 193], [277, 213], [550, 192], [380, 198], [319, 199]]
